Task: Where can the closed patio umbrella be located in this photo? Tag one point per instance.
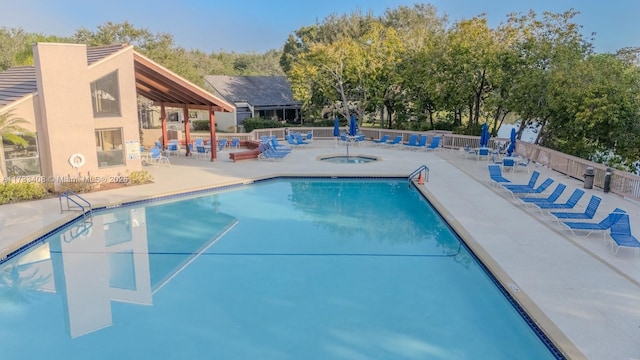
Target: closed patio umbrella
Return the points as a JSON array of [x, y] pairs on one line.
[[353, 127], [512, 144], [336, 127], [484, 136]]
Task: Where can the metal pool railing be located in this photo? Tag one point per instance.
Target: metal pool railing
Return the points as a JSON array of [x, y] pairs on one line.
[[424, 169], [78, 201]]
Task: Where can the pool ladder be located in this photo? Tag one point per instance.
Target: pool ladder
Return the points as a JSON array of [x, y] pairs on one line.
[[75, 201], [424, 169]]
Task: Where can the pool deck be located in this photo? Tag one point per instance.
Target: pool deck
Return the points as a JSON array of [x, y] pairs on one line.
[[586, 299]]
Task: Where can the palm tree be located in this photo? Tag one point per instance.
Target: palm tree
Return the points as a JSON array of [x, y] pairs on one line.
[[10, 130]]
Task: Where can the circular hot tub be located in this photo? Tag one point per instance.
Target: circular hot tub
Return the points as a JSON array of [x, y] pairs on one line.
[[348, 159]]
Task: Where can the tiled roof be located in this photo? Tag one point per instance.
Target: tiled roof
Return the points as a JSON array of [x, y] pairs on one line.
[[256, 90], [100, 52], [17, 82]]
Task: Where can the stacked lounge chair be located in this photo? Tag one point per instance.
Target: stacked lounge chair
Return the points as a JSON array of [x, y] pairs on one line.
[[495, 175], [588, 213], [621, 235], [589, 227]]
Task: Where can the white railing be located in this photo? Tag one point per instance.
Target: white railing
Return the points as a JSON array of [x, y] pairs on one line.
[[622, 183]]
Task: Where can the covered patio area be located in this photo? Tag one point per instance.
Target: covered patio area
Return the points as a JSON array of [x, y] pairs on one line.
[[165, 90]]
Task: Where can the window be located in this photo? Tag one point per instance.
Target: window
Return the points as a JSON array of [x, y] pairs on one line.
[[109, 147], [23, 159], [105, 96]]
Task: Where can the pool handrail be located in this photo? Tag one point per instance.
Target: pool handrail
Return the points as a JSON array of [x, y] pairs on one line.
[[419, 171]]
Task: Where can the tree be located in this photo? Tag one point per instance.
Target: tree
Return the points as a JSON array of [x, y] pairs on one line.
[[542, 46], [421, 33], [595, 104]]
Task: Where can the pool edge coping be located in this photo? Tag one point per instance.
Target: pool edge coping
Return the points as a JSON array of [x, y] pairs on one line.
[[550, 330]]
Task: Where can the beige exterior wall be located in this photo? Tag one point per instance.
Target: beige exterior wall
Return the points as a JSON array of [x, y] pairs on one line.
[[27, 109], [123, 62], [66, 125], [226, 121]]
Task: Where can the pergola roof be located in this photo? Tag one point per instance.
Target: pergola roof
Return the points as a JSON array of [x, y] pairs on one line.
[[160, 85]]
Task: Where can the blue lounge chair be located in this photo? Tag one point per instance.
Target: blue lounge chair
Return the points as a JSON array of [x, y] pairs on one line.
[[276, 145], [435, 144], [589, 212], [413, 140], [382, 140], [571, 202], [589, 227], [292, 141], [495, 174], [235, 143], [621, 235], [421, 143], [268, 153], [549, 199], [299, 139], [525, 191], [532, 182], [396, 140]]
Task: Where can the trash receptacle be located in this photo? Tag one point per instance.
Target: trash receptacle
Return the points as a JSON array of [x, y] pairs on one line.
[[589, 174], [607, 180]]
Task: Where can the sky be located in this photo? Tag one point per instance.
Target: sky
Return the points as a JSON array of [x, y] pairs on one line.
[[256, 26]]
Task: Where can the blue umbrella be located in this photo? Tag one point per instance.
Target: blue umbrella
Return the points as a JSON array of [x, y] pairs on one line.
[[512, 144], [484, 136], [353, 127], [336, 127]]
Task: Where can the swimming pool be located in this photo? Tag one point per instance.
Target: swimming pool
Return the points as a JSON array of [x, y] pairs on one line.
[[281, 269]]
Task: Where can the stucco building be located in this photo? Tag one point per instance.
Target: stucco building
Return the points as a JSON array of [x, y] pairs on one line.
[[81, 108]]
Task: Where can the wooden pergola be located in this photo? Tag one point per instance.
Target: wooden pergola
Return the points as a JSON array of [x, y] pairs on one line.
[[167, 89]]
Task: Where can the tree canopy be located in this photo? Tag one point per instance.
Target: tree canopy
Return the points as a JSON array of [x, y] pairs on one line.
[[194, 65], [411, 68]]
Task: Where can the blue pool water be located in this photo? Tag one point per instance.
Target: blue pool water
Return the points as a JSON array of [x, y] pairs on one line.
[[282, 269]]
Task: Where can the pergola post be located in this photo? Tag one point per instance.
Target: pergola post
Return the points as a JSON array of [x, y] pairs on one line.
[[163, 121], [187, 130], [212, 133]]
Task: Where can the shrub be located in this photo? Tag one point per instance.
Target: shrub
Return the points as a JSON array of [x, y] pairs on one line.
[[14, 192], [77, 187], [139, 177], [328, 123], [259, 123], [201, 125]]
